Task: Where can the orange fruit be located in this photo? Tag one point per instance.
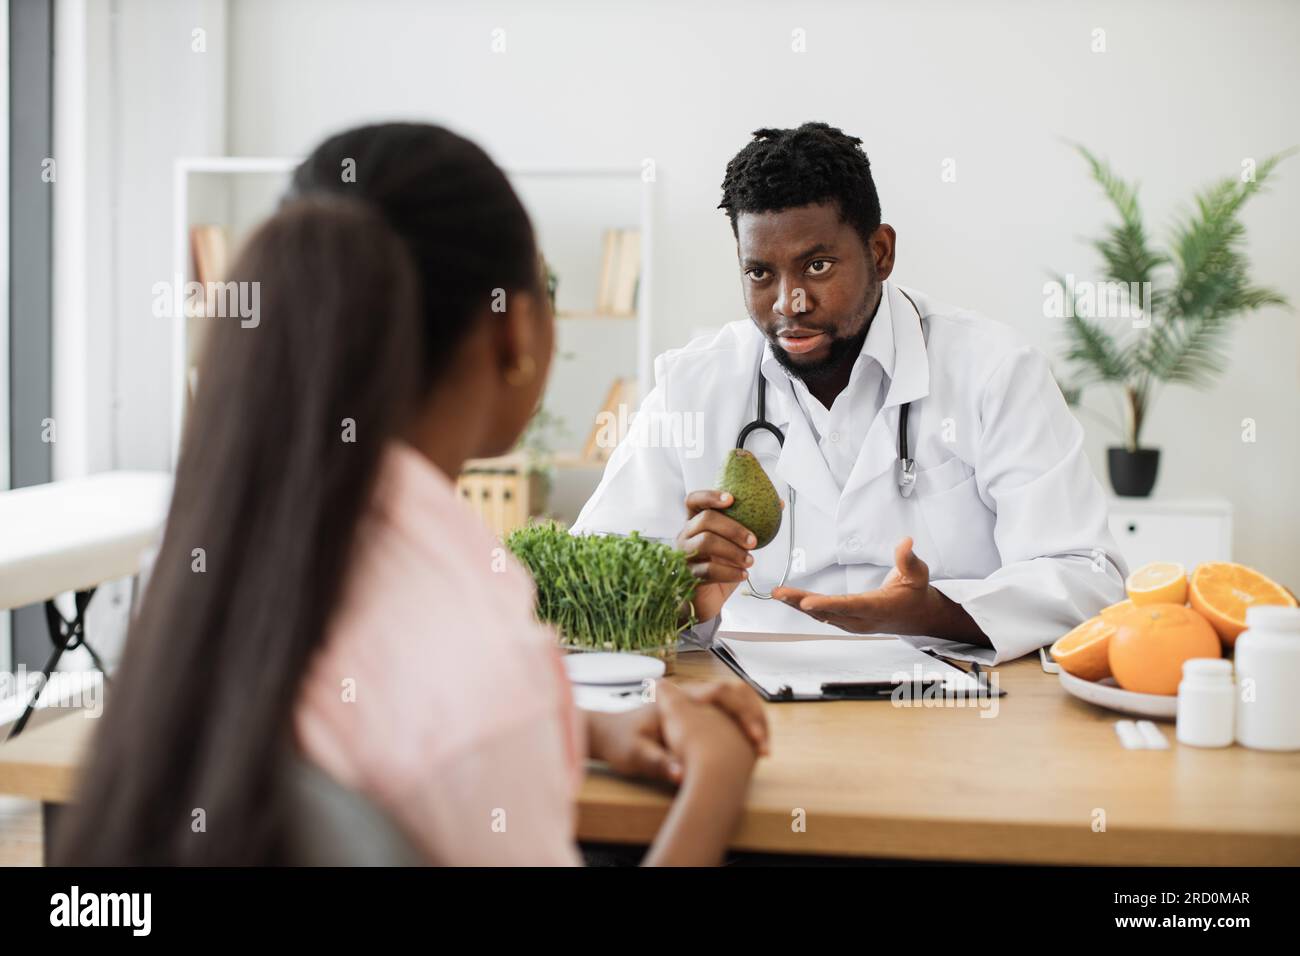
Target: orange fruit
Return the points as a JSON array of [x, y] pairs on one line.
[[1115, 611], [1083, 651], [1160, 582], [1151, 643], [1222, 591]]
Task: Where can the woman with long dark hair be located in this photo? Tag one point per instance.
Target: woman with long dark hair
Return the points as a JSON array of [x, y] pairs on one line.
[[322, 594]]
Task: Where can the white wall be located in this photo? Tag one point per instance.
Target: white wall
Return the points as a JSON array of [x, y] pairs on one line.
[[131, 94], [1183, 93], [171, 101]]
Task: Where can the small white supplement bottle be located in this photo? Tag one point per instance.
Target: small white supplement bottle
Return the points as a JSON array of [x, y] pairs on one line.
[[1268, 673], [1207, 701]]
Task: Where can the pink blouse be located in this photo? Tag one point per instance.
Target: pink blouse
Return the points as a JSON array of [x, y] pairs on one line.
[[437, 694]]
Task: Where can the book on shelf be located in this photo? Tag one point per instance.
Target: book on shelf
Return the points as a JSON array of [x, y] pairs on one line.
[[607, 427], [629, 271], [608, 258], [209, 248], [209, 258], [620, 272]]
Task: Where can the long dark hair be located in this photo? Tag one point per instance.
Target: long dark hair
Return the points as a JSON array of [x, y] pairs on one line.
[[366, 276]]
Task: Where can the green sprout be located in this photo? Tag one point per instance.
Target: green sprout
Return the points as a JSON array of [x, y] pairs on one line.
[[606, 592]]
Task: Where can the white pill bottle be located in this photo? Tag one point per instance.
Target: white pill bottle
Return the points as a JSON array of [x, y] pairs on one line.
[[1267, 659], [1207, 703]]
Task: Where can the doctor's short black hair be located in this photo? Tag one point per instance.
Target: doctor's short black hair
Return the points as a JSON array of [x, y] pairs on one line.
[[785, 168]]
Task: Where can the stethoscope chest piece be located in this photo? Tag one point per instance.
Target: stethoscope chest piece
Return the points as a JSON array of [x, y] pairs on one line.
[[905, 469]]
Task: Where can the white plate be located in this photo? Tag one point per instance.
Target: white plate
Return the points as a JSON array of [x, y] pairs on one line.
[[1108, 694], [601, 667]]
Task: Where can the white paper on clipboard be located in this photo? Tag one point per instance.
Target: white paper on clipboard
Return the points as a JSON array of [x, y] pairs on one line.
[[803, 664]]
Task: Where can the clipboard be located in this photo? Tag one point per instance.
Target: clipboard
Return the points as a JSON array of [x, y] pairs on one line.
[[922, 685]]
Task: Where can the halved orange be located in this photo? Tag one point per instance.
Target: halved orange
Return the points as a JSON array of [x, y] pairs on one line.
[[1160, 582], [1083, 651], [1223, 590], [1116, 610], [1152, 643]]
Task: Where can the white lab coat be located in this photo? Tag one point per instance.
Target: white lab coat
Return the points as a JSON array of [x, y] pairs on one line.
[[1006, 510]]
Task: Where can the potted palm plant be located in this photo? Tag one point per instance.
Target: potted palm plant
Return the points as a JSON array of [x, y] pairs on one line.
[[1178, 305]]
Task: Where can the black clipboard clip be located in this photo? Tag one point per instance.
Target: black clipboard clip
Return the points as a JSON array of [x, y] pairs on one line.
[[876, 690]]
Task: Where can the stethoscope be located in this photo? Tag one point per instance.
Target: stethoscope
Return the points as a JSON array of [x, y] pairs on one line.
[[904, 468]]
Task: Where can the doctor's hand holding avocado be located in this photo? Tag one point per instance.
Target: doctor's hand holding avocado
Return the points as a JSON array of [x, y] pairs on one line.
[[723, 525], [717, 550]]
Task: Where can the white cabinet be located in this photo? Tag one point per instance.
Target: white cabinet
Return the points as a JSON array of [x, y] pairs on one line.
[[1188, 530]]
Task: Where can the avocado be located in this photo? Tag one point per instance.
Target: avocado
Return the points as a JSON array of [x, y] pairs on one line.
[[757, 505]]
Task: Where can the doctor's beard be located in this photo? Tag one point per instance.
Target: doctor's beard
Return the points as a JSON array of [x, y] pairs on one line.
[[844, 350]]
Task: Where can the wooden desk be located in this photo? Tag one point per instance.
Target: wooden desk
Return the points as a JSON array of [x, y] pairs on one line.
[[1024, 786], [41, 763], [922, 783]]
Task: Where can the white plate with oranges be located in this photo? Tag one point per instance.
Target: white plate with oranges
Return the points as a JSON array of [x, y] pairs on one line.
[[1130, 656], [1106, 693]]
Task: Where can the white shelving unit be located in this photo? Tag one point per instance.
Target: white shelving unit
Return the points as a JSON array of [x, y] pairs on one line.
[[633, 176], [186, 169], [182, 173], [1187, 530]]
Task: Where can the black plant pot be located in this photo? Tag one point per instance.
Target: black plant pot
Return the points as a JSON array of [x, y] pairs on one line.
[[1133, 473]]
